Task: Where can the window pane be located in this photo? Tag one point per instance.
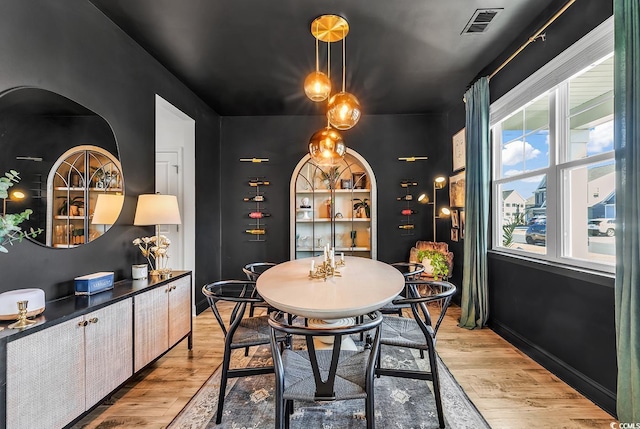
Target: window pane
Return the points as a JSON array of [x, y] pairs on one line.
[[525, 139], [523, 219], [590, 219], [591, 111]]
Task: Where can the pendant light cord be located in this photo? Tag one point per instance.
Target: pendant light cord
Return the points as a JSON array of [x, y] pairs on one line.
[[344, 59]]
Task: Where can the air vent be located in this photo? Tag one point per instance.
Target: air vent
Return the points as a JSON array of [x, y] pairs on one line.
[[480, 21]]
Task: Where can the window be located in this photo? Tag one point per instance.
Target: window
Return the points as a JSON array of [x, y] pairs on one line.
[[553, 184]]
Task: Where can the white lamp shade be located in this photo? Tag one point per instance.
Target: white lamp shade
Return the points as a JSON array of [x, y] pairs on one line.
[[107, 209], [157, 209]]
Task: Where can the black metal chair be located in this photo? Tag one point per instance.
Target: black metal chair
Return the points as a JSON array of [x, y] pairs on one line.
[[418, 332], [253, 271], [317, 374], [240, 332], [411, 271]]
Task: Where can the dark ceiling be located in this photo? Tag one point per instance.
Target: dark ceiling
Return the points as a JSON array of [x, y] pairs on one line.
[[250, 57]]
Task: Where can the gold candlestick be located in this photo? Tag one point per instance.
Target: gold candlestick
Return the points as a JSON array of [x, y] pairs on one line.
[[22, 321]]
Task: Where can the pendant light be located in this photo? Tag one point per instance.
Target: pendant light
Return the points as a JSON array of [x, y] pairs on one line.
[[327, 147], [317, 85], [343, 110]]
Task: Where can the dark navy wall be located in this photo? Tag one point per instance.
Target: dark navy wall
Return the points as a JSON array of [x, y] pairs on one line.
[[561, 317], [75, 51], [380, 139]]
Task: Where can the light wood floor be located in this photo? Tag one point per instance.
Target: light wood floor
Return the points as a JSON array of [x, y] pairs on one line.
[[510, 390]]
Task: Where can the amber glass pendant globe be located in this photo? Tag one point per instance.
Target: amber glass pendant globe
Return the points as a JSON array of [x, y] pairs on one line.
[[317, 86], [326, 147], [343, 110]]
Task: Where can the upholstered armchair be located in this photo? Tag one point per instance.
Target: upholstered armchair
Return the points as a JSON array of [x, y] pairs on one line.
[[430, 245]]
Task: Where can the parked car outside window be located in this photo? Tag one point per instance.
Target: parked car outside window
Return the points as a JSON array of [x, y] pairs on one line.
[[602, 226], [536, 233]]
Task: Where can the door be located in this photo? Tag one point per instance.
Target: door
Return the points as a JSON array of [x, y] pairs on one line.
[[168, 168]]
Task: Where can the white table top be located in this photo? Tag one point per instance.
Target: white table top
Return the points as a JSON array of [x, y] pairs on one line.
[[366, 285]]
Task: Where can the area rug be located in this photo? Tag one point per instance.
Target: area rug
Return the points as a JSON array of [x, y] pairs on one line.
[[399, 403]]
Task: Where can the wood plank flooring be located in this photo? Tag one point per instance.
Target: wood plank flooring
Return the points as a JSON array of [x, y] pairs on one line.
[[510, 390]]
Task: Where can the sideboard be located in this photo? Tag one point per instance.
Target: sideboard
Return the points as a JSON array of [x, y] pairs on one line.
[[83, 348]]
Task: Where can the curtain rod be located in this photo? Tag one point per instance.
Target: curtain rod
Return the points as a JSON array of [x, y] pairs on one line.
[[532, 38]]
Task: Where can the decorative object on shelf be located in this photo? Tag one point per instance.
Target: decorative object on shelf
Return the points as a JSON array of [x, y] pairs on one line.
[[254, 160], [361, 205], [438, 183], [8, 300], [304, 203], [22, 321], [346, 184], [139, 271], [10, 230], [359, 180], [458, 143], [330, 177], [413, 158], [257, 228], [353, 236], [156, 209]]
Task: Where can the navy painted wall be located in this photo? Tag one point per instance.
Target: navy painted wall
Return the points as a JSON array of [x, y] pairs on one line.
[[562, 318], [78, 53], [379, 139]]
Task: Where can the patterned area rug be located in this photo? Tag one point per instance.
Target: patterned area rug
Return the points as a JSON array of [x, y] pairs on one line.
[[399, 403]]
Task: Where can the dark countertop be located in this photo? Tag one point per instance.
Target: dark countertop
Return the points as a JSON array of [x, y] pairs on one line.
[[69, 307]]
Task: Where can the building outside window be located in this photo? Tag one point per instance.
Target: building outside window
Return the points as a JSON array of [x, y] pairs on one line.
[[553, 179]]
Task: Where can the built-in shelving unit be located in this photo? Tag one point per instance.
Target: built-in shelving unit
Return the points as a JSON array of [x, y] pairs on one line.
[[73, 186], [322, 208]]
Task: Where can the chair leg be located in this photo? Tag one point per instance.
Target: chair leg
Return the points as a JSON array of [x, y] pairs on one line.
[[379, 360], [223, 383], [433, 363], [369, 410], [288, 412]]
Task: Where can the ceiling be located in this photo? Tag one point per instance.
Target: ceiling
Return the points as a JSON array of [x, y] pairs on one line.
[[250, 57]]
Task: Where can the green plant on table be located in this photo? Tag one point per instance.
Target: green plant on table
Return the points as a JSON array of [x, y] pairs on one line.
[[438, 262], [10, 230]]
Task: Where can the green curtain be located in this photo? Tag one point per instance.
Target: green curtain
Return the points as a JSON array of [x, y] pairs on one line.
[[627, 149], [475, 302]]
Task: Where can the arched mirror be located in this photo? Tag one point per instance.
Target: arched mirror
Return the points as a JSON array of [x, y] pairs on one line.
[[67, 156]]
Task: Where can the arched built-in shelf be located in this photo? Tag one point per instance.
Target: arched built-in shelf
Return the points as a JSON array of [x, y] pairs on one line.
[[323, 213]]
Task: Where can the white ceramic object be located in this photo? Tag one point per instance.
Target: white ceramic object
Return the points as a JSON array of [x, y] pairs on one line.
[[139, 271], [9, 303]]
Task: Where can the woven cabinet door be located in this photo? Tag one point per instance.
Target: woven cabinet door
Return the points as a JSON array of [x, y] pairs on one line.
[[108, 349], [46, 378], [151, 319], [179, 309]]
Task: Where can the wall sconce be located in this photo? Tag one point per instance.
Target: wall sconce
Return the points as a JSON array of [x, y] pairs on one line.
[[438, 183]]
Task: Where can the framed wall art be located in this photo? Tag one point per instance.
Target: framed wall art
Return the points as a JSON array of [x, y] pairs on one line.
[[456, 190], [458, 142]]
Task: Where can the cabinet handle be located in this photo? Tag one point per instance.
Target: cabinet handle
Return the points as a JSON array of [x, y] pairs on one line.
[[83, 323], [93, 320], [167, 290], [173, 287]]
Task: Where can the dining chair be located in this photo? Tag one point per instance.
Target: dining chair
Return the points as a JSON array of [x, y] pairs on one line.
[[411, 271], [327, 373], [253, 271], [239, 331], [418, 332]]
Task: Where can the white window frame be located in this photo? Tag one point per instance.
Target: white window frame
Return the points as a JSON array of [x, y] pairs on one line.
[[552, 78]]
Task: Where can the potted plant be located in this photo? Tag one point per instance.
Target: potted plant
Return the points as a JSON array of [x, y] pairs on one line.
[[70, 206], [330, 177], [361, 205], [435, 263]]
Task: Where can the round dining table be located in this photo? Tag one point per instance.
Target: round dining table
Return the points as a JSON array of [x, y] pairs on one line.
[[364, 285]]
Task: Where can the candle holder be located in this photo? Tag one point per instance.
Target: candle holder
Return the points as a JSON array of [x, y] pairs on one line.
[[326, 269], [22, 321]]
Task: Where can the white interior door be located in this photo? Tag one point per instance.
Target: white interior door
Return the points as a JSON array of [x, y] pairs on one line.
[[168, 168]]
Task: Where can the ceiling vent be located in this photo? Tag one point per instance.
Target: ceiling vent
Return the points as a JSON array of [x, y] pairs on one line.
[[479, 22]]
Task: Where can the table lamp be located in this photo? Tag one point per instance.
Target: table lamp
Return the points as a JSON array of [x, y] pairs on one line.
[[107, 209], [157, 209]]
